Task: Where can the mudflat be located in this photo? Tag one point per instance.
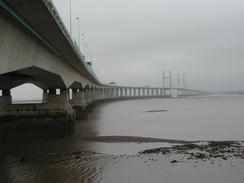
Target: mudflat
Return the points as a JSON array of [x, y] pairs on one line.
[[116, 139], [181, 161]]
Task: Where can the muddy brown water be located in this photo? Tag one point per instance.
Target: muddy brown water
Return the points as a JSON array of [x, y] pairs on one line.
[[74, 159]]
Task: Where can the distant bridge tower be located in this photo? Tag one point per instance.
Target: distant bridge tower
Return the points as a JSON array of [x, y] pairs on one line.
[[181, 85], [165, 79], [184, 84]]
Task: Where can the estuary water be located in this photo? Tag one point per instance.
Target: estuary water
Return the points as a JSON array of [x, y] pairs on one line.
[[191, 118], [80, 158]]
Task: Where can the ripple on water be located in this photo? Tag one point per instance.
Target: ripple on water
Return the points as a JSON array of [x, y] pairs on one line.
[[83, 167]]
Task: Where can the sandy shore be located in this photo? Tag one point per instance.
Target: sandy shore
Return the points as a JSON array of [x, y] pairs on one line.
[[183, 161]]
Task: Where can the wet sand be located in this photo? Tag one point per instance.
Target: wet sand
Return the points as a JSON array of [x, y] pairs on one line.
[[136, 139], [189, 162]]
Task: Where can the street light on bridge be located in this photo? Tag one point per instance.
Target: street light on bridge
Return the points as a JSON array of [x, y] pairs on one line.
[[70, 18], [86, 49], [83, 43], [78, 24]]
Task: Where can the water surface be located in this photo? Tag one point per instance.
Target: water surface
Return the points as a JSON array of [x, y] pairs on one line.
[[192, 118], [71, 159]]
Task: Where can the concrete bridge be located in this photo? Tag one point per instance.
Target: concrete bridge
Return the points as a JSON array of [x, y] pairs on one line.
[[35, 47]]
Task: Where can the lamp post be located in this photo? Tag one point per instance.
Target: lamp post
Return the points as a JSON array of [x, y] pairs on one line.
[[163, 82], [184, 85], [178, 84], [86, 48], [78, 24], [83, 43], [170, 82], [70, 18]]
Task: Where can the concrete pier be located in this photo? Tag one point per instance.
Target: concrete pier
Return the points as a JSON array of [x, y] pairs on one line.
[[6, 98]]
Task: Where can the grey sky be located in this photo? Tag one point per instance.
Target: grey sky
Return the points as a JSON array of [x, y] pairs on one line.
[[131, 41]]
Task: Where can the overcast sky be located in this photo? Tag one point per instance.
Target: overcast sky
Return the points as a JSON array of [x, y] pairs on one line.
[[132, 41]]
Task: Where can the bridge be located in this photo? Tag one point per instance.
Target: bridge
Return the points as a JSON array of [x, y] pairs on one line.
[[35, 47]]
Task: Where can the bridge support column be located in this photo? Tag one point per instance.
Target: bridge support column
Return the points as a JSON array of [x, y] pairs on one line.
[[101, 93], [105, 93], [130, 93], [45, 96], [105, 90], [78, 98], [161, 92], [157, 93], [96, 94], [126, 92], [113, 92], [110, 93], [116, 92], [121, 92], [53, 98], [92, 94], [59, 102], [86, 96], [79, 105], [6, 98], [89, 95], [143, 92]]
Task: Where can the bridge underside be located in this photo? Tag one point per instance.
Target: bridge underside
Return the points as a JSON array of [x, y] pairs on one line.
[[36, 15], [35, 75], [24, 58]]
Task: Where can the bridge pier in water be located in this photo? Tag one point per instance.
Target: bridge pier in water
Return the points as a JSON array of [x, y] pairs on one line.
[[58, 102], [6, 98]]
